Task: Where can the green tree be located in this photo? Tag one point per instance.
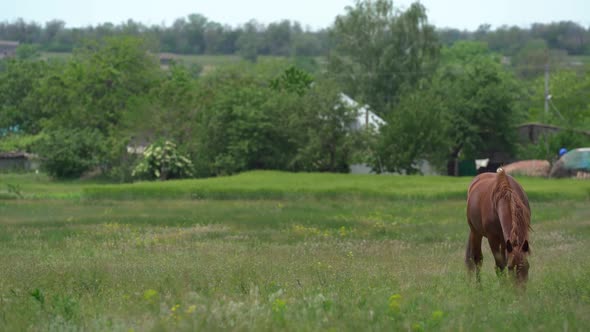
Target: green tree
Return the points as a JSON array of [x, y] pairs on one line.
[[293, 80], [468, 110], [307, 44], [278, 38], [240, 124], [569, 105], [195, 33], [565, 35], [321, 130], [417, 131], [169, 111], [28, 52], [482, 99], [250, 41], [530, 61], [18, 81], [95, 89], [377, 50], [215, 38]]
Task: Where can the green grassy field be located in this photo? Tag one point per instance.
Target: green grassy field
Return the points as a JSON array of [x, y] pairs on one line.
[[277, 251]]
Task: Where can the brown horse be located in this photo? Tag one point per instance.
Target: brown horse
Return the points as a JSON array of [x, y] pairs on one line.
[[498, 208]]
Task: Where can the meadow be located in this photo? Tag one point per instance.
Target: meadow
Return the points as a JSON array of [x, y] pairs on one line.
[[277, 251]]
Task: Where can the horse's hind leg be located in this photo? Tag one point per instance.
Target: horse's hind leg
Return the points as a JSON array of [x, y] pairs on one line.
[[497, 247], [473, 255]]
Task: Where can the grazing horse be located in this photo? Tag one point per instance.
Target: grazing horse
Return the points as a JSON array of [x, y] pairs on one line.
[[498, 208]]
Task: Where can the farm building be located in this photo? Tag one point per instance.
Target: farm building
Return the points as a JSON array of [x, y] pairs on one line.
[[532, 132], [8, 48], [166, 59], [365, 117], [18, 161]]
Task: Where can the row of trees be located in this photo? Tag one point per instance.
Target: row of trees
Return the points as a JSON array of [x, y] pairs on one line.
[[440, 104], [508, 40], [196, 34]]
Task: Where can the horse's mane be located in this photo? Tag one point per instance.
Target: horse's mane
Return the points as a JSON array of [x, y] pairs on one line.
[[520, 213]]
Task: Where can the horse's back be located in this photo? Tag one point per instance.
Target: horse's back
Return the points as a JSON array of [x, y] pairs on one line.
[[479, 201], [486, 181], [480, 188], [483, 179], [480, 208]]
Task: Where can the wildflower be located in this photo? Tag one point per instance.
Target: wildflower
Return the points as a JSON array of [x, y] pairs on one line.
[[417, 327], [279, 306], [394, 302], [437, 314], [149, 295], [342, 231], [191, 309]]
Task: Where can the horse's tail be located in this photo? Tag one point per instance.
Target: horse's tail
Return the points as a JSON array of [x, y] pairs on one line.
[[502, 187], [520, 213]]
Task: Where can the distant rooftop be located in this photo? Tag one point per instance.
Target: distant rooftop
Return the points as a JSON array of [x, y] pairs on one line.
[[8, 48], [9, 43]]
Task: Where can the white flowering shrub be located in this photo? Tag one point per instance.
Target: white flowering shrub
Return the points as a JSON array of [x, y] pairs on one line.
[[163, 161]]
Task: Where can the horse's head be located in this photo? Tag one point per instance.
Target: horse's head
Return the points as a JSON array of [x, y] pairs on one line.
[[518, 263]]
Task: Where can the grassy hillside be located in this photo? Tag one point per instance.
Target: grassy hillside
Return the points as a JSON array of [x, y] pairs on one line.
[[268, 184], [282, 185]]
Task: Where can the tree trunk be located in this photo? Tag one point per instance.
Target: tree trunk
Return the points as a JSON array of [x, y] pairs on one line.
[[453, 161]]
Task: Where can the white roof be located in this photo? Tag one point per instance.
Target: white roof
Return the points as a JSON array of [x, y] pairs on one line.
[[362, 111]]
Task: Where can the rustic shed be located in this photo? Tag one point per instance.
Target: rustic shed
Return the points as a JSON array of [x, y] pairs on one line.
[[8, 48], [18, 161], [532, 132]]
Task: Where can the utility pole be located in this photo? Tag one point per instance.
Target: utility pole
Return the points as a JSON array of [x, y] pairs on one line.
[[546, 116], [546, 85]]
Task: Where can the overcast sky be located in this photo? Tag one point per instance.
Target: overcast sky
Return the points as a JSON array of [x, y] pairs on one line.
[[462, 14]]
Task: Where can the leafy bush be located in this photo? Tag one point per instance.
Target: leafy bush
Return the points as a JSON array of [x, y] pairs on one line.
[[69, 153], [163, 161], [244, 125], [19, 142]]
